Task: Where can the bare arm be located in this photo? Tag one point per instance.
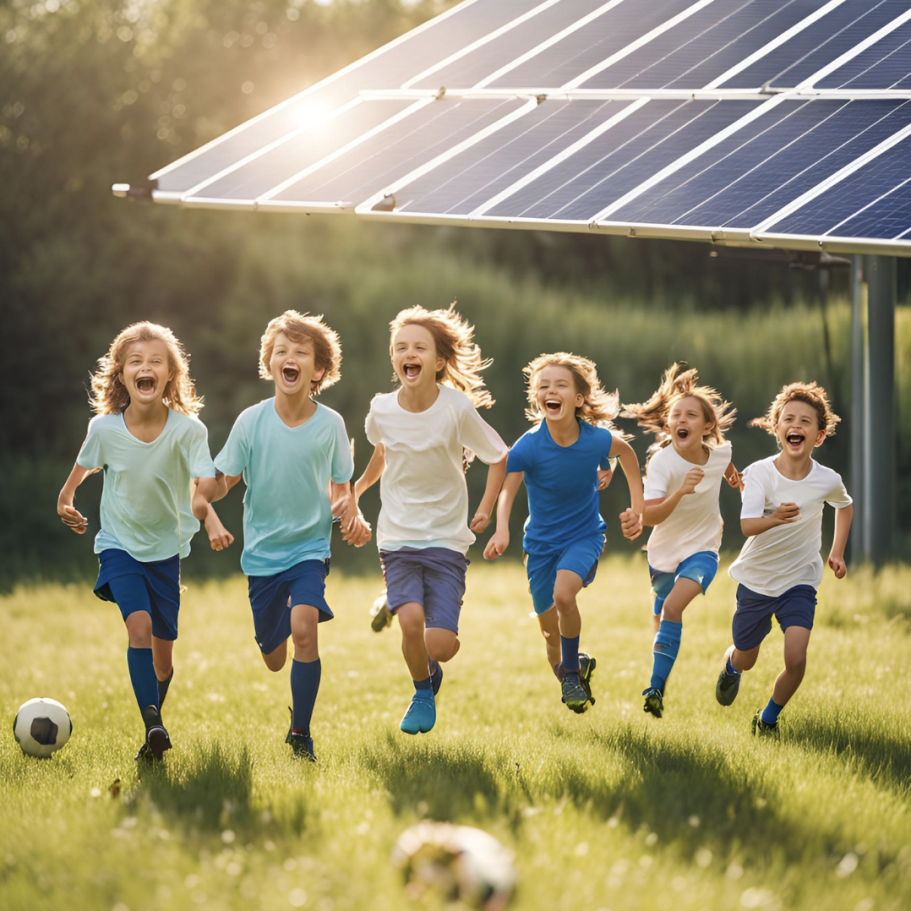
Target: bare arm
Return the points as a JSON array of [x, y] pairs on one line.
[[630, 519], [373, 472], [219, 536], [785, 514], [733, 476], [496, 474], [657, 510], [843, 519], [498, 543], [69, 515]]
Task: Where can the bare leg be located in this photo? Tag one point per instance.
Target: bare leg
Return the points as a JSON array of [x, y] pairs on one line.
[[567, 586], [411, 621], [442, 644], [796, 640], [550, 630]]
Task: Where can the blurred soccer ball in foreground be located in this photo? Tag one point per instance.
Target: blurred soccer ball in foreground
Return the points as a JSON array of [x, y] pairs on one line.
[[42, 727], [463, 863]]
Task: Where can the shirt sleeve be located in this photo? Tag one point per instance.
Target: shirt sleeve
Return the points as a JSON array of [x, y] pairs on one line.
[[478, 436], [234, 456], [371, 429], [518, 456], [342, 462], [90, 454], [657, 477], [839, 496], [199, 458], [753, 506]]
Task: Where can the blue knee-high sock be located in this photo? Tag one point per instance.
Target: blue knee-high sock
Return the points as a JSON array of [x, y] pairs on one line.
[[305, 677], [771, 712], [142, 676], [667, 644], [569, 648]]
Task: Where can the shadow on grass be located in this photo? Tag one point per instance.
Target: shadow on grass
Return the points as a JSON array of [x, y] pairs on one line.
[[212, 793]]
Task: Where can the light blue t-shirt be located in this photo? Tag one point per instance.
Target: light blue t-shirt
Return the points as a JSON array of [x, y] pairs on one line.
[[287, 514], [145, 501], [562, 484]]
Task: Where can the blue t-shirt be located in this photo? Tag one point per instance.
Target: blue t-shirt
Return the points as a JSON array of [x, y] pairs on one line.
[[562, 484], [145, 502], [287, 514]]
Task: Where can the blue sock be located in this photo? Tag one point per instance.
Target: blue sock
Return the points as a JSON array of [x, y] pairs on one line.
[[667, 644], [729, 668], [771, 712], [423, 684], [569, 648], [305, 677], [142, 676], [659, 606]]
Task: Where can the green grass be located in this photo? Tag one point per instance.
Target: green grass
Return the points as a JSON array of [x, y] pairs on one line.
[[609, 810]]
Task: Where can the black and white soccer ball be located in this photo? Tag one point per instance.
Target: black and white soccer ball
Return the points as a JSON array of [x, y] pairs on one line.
[[42, 727]]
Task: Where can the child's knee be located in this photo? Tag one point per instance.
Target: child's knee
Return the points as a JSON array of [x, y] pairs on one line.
[[304, 638]]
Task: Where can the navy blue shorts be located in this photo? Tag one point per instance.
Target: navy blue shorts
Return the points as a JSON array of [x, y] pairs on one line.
[[151, 587], [701, 567], [433, 577], [753, 617], [580, 556], [272, 598]]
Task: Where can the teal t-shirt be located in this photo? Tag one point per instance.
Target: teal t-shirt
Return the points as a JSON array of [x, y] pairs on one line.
[[287, 514], [145, 502]]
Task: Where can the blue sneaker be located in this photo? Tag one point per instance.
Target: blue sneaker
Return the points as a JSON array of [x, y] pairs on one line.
[[421, 715], [436, 679]]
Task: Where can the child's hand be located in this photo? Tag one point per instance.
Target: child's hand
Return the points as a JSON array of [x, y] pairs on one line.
[[359, 532], [786, 513], [733, 477], [480, 522], [691, 481], [72, 518], [605, 475], [630, 524], [838, 566], [497, 545], [219, 536]]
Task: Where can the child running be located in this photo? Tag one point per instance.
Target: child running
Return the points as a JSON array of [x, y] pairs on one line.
[[779, 568], [682, 484], [421, 432], [294, 456], [559, 460], [147, 439]]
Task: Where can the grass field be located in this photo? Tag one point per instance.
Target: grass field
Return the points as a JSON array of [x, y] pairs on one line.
[[609, 810]]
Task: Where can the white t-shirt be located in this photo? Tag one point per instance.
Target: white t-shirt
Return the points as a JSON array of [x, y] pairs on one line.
[[695, 524], [787, 555], [423, 489]]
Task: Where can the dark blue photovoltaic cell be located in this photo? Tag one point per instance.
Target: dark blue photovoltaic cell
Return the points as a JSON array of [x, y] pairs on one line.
[[705, 45], [492, 165], [469, 70], [388, 69], [889, 217], [272, 168], [573, 55], [843, 204], [816, 46], [396, 152], [769, 163], [884, 65], [621, 158]]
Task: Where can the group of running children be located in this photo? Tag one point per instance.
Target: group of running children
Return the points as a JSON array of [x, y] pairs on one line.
[[295, 459]]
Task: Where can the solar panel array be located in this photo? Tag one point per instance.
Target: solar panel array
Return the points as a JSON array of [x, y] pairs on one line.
[[783, 122]]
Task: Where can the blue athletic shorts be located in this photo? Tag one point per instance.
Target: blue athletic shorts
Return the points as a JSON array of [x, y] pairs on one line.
[[580, 556], [753, 617], [433, 577], [700, 567], [152, 587], [272, 598]]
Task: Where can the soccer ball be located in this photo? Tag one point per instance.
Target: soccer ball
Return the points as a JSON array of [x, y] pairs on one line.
[[42, 727]]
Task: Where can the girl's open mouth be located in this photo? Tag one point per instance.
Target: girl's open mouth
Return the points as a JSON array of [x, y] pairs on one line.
[[146, 384], [290, 374], [553, 407], [411, 370]]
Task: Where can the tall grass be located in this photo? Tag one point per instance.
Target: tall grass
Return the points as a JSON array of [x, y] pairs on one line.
[[612, 809]]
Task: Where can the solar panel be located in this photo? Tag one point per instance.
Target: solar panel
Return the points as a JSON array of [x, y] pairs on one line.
[[738, 121]]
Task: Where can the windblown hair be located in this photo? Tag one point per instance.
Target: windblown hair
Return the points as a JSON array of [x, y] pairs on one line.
[[598, 407], [682, 381], [327, 348], [110, 396], [811, 394], [453, 337]]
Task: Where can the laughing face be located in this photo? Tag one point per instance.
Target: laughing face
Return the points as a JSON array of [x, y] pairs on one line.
[[687, 425], [556, 393], [292, 365], [798, 431], [414, 356], [146, 372]]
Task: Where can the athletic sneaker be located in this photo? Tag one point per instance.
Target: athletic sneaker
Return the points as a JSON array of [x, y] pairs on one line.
[[575, 697], [587, 665], [157, 739], [761, 728], [421, 715], [380, 615], [728, 684], [436, 679], [301, 746], [654, 701]]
